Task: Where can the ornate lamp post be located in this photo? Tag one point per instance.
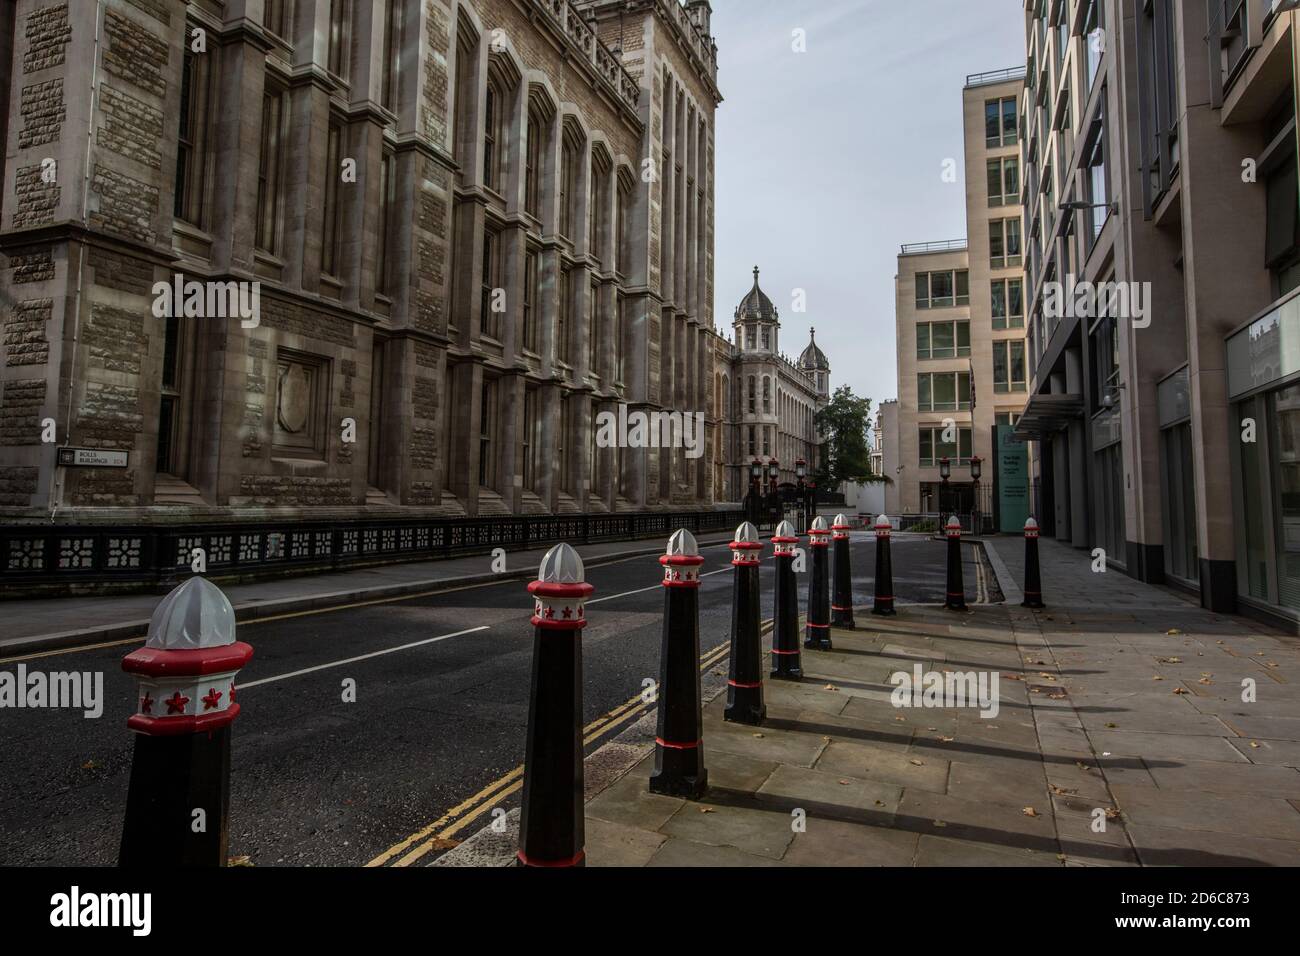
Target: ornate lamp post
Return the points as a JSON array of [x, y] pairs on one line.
[[800, 473], [945, 472], [755, 488], [773, 496], [976, 469]]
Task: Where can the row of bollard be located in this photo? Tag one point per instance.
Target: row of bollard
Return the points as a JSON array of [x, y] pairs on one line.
[[180, 770]]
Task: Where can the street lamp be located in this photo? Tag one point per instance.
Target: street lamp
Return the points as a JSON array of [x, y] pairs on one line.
[[773, 475], [976, 469], [755, 487], [945, 472], [801, 472]]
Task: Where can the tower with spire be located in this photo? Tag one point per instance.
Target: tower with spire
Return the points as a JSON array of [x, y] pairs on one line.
[[814, 362], [757, 321]]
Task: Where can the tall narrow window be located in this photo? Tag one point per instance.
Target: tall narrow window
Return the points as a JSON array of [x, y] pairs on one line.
[[533, 166], [563, 315], [489, 319], [387, 194], [491, 117], [274, 18], [593, 329], [190, 151], [527, 445], [620, 316], [623, 227], [392, 52], [530, 301], [340, 35], [269, 168], [169, 401], [486, 435], [463, 115], [329, 253], [568, 187]]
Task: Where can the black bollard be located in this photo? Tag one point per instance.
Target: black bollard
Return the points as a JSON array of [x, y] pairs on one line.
[[785, 629], [842, 603], [884, 603], [679, 745], [550, 824], [1033, 575], [745, 682], [956, 589], [178, 798], [817, 635]]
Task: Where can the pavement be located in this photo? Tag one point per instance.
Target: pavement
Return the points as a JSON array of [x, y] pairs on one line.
[[1132, 728]]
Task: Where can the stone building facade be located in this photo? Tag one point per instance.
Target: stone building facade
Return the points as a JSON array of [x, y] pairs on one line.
[[1160, 171], [960, 317], [770, 401], [473, 224]]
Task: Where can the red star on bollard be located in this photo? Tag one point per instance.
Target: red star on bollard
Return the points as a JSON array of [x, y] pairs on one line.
[[568, 612], [176, 703], [211, 698], [146, 705], [550, 612]]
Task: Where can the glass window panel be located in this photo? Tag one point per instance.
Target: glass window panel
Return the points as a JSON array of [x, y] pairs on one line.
[[996, 253], [1018, 364], [1010, 123], [923, 290], [923, 391], [995, 182], [1285, 415], [992, 123], [963, 287], [964, 436], [963, 338], [1015, 300], [1011, 180], [923, 340], [941, 288], [1000, 381], [927, 446], [942, 340], [945, 392], [999, 305]]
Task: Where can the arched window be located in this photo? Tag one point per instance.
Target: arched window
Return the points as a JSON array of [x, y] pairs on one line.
[[463, 113], [570, 156], [753, 385], [767, 395]]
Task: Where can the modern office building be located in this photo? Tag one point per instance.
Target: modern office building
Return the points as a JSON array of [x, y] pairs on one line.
[[960, 317], [474, 226], [1163, 267]]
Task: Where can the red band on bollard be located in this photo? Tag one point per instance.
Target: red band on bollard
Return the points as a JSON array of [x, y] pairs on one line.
[[734, 683], [826, 626], [672, 745], [791, 653]]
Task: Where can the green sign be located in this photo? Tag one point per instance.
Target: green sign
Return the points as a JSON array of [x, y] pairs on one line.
[[1012, 481]]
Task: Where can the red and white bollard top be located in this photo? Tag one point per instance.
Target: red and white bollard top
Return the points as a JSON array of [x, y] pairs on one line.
[[819, 533], [883, 526], [953, 528], [682, 561], [1031, 528], [187, 667], [785, 538], [560, 593], [841, 528], [745, 546]]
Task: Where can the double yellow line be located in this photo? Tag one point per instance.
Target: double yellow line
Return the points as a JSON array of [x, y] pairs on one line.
[[435, 835]]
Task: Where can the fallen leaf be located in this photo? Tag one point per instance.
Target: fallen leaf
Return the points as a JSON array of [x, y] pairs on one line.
[[706, 809], [239, 861], [1173, 630], [1169, 660], [1181, 690], [844, 783], [1255, 744], [758, 735], [940, 823], [947, 740], [1112, 725], [1112, 813], [916, 763], [830, 687], [1029, 812], [1157, 677], [1061, 791]]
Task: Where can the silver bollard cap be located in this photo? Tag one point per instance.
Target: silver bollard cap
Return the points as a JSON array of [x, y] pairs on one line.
[[819, 524], [682, 544], [196, 614], [1031, 524], [746, 534], [785, 530], [841, 521], [883, 522], [562, 565]]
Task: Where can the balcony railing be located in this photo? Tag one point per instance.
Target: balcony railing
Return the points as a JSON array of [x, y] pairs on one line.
[[996, 76], [949, 245]]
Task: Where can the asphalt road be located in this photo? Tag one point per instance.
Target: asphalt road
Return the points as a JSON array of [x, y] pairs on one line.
[[432, 743]]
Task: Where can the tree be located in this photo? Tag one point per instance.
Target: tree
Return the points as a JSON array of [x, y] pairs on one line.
[[846, 452]]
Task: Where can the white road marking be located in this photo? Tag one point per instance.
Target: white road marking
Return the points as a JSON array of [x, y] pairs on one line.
[[363, 657]]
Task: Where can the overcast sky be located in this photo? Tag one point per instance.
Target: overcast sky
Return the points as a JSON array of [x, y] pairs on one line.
[[828, 160]]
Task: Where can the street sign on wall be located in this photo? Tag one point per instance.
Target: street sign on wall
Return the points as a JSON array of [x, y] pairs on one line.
[[1012, 480], [92, 458]]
